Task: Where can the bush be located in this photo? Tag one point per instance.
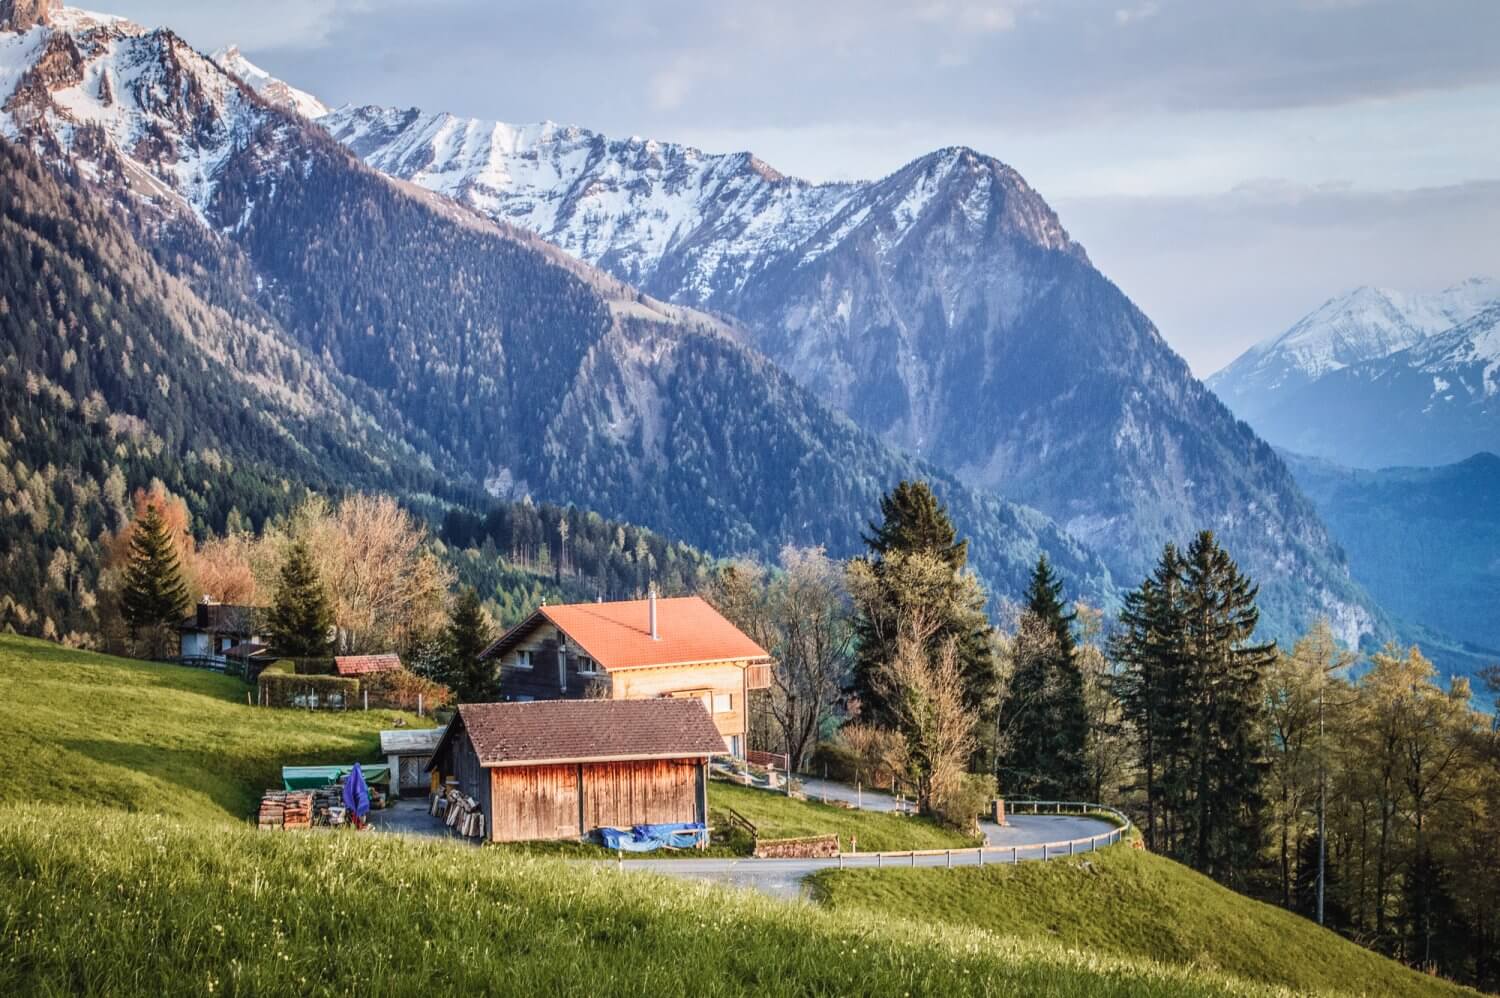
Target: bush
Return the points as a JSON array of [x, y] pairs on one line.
[[399, 689], [836, 759], [960, 805]]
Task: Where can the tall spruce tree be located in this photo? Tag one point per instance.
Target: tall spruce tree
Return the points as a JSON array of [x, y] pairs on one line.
[[913, 521], [155, 594], [300, 621], [1148, 648], [1049, 728], [1192, 685], [1229, 717], [469, 633]]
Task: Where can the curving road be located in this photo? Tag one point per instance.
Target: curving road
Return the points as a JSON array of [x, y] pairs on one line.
[[784, 877]]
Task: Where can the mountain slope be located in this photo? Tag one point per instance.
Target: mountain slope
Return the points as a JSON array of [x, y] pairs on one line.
[[515, 363], [1378, 378], [1424, 541], [944, 308]]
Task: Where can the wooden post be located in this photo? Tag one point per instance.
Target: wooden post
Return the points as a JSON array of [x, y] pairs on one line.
[[859, 797], [419, 705]]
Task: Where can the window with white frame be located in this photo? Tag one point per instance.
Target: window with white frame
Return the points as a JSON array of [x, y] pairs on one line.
[[723, 703], [523, 658]]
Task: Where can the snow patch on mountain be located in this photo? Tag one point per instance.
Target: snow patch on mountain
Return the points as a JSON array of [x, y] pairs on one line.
[[1364, 324], [277, 92], [136, 109]]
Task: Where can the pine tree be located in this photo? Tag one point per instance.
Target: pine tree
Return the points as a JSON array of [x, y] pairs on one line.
[[912, 519], [155, 594], [1228, 713], [300, 621], [1049, 729], [915, 522], [1151, 688], [469, 633]]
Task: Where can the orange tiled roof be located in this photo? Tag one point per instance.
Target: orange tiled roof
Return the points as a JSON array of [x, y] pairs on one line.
[[618, 635], [358, 665]]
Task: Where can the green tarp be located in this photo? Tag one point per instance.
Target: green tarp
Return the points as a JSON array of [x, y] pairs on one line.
[[310, 777]]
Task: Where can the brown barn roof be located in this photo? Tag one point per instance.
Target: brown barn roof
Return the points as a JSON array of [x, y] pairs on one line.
[[359, 665], [618, 635], [557, 731]]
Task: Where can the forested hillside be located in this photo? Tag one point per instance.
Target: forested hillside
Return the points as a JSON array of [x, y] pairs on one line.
[[1424, 541]]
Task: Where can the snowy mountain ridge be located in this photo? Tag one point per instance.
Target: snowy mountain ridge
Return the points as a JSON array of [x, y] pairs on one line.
[[132, 108], [690, 226], [276, 92], [1376, 378], [1363, 324]]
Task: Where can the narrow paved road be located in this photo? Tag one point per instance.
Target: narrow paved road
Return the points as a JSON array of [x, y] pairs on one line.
[[784, 877]]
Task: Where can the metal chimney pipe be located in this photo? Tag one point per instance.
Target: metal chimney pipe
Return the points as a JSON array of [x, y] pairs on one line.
[[651, 609]]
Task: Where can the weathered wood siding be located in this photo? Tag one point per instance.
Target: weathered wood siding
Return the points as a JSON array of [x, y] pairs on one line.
[[534, 802], [542, 802], [621, 794]]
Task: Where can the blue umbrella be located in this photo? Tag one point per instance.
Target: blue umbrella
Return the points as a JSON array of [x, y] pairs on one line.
[[356, 794]]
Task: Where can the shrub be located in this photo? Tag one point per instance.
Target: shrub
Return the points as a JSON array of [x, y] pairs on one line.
[[960, 803], [399, 689]]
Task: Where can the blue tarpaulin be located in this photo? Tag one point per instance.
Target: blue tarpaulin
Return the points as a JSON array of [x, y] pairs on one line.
[[648, 838], [356, 794]]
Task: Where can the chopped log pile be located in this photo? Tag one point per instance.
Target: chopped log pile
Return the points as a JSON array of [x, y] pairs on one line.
[[289, 809], [292, 809], [459, 812]]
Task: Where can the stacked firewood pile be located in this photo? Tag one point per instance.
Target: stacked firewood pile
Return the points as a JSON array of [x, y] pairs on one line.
[[459, 812], [286, 809]]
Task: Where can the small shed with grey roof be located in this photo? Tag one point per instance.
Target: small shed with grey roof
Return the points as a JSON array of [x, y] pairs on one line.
[[561, 769], [407, 751]]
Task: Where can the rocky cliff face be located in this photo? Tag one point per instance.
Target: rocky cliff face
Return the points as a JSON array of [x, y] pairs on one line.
[[944, 307], [23, 15]]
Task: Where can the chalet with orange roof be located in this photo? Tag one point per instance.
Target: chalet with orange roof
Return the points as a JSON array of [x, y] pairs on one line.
[[635, 650]]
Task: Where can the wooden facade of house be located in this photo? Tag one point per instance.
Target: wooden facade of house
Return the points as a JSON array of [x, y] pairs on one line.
[[562, 769], [633, 650]]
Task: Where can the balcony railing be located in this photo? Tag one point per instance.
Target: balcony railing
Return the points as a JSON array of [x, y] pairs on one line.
[[758, 677]]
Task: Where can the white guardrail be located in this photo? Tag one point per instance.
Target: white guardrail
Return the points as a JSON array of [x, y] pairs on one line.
[[1027, 852]]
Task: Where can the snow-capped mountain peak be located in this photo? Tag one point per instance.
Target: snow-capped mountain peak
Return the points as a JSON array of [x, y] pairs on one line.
[[277, 92], [1360, 325], [1377, 377]]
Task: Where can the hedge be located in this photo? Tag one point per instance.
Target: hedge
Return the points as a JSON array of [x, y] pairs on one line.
[[280, 685]]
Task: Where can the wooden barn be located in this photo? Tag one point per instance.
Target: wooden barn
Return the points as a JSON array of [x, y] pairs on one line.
[[560, 769]]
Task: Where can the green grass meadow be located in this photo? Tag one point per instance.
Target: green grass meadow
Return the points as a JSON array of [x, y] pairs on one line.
[[127, 866], [1125, 902]]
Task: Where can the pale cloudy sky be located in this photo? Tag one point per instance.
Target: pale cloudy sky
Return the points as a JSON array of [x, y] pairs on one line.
[[1230, 163]]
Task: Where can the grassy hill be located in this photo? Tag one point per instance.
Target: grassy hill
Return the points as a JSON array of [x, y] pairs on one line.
[[142, 736], [1130, 903], [189, 897]]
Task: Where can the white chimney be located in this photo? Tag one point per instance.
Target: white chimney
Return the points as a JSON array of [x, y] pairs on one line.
[[651, 609]]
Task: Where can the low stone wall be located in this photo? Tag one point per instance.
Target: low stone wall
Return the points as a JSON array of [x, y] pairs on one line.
[[812, 847]]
